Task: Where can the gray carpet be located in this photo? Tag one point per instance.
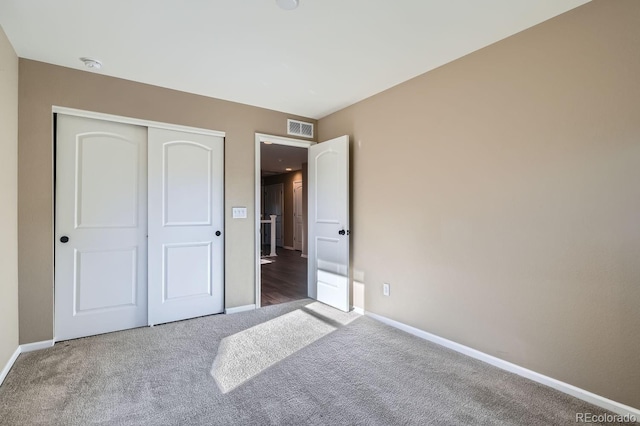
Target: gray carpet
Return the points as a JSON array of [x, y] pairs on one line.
[[355, 372]]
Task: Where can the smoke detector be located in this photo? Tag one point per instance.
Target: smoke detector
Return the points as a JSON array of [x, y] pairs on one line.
[[287, 4], [91, 63]]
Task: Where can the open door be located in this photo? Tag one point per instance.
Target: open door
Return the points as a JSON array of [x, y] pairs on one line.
[[329, 222]]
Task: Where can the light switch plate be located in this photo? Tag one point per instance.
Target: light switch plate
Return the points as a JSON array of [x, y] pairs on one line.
[[239, 212]]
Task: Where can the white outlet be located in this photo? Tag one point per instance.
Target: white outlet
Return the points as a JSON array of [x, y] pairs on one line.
[[386, 289]]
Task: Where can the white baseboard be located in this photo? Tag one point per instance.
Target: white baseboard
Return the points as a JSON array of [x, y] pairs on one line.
[[288, 247], [28, 347], [303, 255], [9, 364], [36, 346], [358, 310], [240, 309], [574, 391]]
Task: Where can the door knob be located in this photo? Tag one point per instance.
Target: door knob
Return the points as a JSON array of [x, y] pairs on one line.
[[64, 239], [218, 233]]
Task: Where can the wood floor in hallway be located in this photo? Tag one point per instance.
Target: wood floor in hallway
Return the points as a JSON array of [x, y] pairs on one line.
[[285, 279]]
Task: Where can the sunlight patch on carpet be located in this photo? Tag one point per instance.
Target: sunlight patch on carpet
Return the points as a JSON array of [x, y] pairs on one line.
[[245, 354]]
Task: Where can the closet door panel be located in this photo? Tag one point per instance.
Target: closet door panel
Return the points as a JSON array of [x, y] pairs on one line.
[[185, 225], [100, 227]]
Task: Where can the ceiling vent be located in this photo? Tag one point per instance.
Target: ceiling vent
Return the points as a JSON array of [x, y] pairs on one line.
[[299, 128]]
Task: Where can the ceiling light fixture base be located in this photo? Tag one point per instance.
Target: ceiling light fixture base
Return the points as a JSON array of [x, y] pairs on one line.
[[91, 63]]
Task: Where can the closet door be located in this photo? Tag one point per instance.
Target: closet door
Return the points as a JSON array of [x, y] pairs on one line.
[[100, 227], [185, 225]]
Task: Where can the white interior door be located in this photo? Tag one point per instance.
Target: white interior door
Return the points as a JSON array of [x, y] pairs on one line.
[[185, 225], [273, 205], [298, 217], [100, 227], [328, 211]]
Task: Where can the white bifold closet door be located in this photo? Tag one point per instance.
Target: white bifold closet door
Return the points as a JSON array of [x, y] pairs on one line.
[[101, 226], [186, 221], [138, 226]]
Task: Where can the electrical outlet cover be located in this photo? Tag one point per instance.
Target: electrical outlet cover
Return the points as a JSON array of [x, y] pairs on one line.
[[386, 289]]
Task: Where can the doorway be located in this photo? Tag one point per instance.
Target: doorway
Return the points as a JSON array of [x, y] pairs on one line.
[[326, 222], [281, 266]]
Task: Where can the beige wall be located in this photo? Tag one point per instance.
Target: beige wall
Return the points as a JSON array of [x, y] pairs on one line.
[[500, 197], [8, 200], [286, 179], [44, 85]]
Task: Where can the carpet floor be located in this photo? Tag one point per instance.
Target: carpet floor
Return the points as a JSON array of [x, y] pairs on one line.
[[228, 370]]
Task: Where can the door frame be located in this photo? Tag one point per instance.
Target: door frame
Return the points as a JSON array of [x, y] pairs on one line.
[[278, 140], [55, 109]]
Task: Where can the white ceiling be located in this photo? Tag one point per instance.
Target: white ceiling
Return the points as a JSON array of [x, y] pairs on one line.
[[312, 61]]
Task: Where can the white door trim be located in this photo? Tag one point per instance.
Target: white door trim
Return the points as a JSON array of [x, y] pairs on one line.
[[278, 140], [134, 121]]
